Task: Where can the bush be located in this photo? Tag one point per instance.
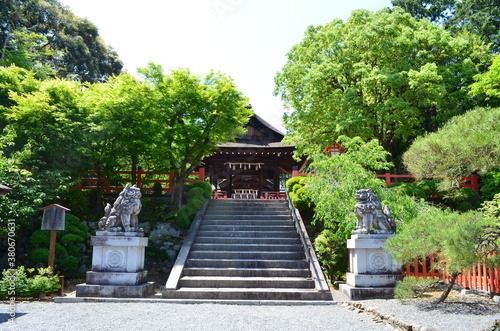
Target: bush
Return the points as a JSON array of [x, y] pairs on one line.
[[196, 204], [26, 286], [40, 237], [491, 183], [413, 287], [70, 263], [182, 219], [462, 199], [332, 254], [492, 208], [71, 238], [40, 255], [292, 181], [205, 186], [78, 201], [157, 190], [195, 192]]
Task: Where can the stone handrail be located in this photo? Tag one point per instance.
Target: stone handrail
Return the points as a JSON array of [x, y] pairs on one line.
[[317, 273]]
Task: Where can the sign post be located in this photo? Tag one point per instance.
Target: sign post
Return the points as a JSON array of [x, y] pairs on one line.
[[53, 220]]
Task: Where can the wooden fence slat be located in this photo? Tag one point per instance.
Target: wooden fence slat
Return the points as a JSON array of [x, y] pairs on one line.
[[480, 277]]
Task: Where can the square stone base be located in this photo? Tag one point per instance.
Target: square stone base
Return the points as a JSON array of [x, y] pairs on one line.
[[115, 291], [116, 278], [366, 293], [364, 280]]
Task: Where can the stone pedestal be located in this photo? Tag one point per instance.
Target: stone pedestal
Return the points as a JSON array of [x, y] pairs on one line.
[[117, 267], [372, 271]]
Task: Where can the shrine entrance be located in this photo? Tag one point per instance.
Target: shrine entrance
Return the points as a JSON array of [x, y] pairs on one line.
[[251, 166]]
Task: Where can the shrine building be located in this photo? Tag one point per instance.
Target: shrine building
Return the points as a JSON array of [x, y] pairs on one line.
[[251, 166]]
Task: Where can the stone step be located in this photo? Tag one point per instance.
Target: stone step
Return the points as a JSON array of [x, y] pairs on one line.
[[231, 202], [248, 240], [248, 217], [246, 272], [247, 211], [250, 228], [260, 222], [245, 255], [248, 282], [247, 247], [247, 294], [247, 234], [246, 263]]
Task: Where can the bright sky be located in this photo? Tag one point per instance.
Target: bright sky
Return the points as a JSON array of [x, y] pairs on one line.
[[245, 39]]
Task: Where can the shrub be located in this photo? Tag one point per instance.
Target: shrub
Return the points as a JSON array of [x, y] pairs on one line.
[[491, 183], [70, 263], [413, 287], [157, 190], [78, 202], [40, 255], [76, 249], [40, 237], [205, 186], [71, 238], [492, 208], [196, 204], [182, 219], [292, 181], [195, 192], [27, 286], [331, 250], [462, 199]]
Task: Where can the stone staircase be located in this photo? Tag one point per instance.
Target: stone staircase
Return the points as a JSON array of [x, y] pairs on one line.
[[245, 250]]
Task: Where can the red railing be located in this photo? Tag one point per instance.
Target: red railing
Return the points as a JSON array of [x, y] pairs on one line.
[[480, 278], [144, 179], [471, 181]]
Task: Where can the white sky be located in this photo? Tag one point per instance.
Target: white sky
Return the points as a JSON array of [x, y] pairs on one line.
[[245, 39]]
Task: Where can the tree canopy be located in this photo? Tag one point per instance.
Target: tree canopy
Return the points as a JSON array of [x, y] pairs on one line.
[[197, 113], [381, 75], [466, 144], [481, 17], [46, 37]]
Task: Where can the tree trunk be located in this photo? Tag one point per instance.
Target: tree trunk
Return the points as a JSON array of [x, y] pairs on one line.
[[134, 169], [448, 289], [177, 191]]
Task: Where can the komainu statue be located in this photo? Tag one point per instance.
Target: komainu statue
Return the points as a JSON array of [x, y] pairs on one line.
[[369, 212], [122, 216]]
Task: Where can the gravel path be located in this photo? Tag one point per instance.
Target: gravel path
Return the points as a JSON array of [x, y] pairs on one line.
[[461, 313], [168, 316]]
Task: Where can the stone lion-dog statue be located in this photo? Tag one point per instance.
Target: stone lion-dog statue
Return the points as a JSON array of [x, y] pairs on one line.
[[369, 212], [122, 216]]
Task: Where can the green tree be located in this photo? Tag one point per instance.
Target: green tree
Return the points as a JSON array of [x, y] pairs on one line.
[[453, 237], [45, 36], [50, 125], [481, 17], [488, 83], [126, 126], [466, 144], [381, 75], [433, 10], [334, 183], [196, 114]]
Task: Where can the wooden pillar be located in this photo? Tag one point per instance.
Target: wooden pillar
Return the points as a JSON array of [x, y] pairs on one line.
[[261, 181], [277, 179]]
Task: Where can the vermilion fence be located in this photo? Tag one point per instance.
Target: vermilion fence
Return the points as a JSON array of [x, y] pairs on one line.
[[471, 181], [480, 278], [115, 181]]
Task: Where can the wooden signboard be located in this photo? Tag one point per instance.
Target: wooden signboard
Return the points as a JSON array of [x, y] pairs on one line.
[[53, 220]]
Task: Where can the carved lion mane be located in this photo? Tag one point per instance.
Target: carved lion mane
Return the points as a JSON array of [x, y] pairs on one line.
[[122, 216], [369, 212]]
